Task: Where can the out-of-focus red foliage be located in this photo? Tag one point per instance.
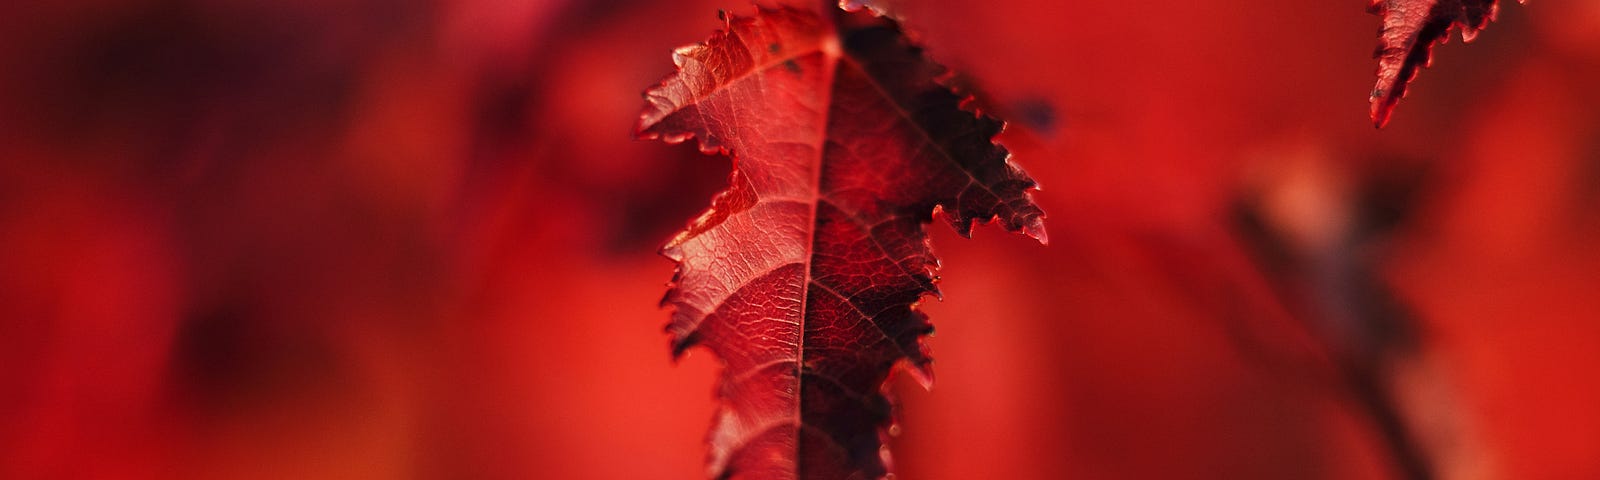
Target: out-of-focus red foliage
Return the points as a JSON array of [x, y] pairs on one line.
[[362, 239]]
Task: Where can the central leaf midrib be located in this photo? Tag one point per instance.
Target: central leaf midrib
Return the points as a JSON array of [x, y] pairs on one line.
[[830, 72]]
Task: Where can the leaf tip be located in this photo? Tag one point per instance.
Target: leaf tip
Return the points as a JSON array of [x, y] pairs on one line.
[[923, 374], [1382, 107], [680, 344], [1035, 229]]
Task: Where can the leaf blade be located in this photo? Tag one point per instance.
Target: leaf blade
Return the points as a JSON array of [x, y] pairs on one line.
[[803, 275], [1411, 28]]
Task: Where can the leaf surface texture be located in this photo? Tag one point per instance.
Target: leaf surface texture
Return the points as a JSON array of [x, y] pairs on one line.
[[804, 274]]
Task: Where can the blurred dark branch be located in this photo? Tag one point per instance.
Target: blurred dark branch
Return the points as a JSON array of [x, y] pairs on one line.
[[1336, 289]]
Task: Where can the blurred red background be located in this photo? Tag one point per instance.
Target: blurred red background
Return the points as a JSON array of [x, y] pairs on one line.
[[413, 239]]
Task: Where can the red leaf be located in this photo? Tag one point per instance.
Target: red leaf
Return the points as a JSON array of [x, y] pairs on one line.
[[1410, 30], [804, 275]]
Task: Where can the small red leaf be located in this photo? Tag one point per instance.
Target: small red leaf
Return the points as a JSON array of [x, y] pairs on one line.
[[804, 275], [1410, 30]]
